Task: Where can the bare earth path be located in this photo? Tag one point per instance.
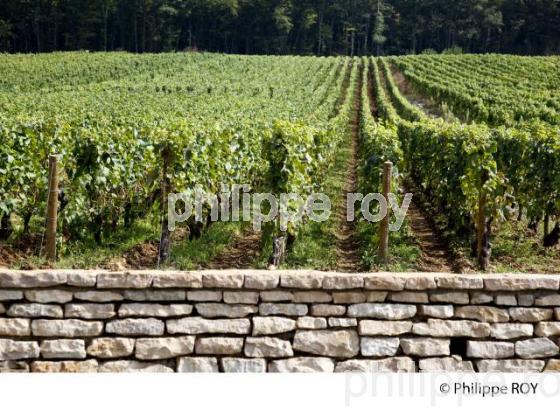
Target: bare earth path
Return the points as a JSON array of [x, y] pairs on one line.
[[240, 255], [348, 253], [429, 108], [436, 256]]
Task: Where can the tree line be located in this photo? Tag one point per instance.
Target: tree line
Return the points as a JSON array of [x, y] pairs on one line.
[[322, 27]]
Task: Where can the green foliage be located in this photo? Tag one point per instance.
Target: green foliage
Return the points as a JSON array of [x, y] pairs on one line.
[[276, 123], [111, 133], [403, 106], [453, 50], [449, 161], [379, 142], [530, 157], [493, 89], [281, 26], [379, 37], [516, 93], [455, 164]]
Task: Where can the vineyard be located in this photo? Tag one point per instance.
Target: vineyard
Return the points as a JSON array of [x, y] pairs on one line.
[[476, 139]]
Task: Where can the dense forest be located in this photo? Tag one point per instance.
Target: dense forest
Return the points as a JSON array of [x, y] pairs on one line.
[[324, 27]]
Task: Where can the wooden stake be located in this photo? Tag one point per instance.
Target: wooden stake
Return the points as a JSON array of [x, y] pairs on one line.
[[164, 244], [52, 208], [383, 251], [481, 229]]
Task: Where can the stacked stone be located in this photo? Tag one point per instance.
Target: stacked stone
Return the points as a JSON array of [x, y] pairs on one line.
[[289, 321]]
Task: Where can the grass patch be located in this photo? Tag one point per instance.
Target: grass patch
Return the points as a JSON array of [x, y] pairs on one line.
[[516, 249], [404, 252], [87, 254], [195, 254], [315, 247]]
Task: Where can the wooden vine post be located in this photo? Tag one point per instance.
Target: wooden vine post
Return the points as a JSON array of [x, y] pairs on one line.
[[383, 251], [482, 229], [52, 208], [164, 244]]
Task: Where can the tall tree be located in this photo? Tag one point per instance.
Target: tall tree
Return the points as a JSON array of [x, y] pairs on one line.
[[379, 27], [281, 26]]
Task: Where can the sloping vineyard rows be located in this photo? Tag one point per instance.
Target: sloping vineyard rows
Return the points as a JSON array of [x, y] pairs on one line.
[[379, 141], [446, 160], [527, 152], [457, 165], [300, 154], [214, 117], [127, 126], [64, 71], [514, 89]]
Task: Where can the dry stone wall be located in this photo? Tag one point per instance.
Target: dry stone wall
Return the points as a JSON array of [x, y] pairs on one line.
[[288, 321]]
